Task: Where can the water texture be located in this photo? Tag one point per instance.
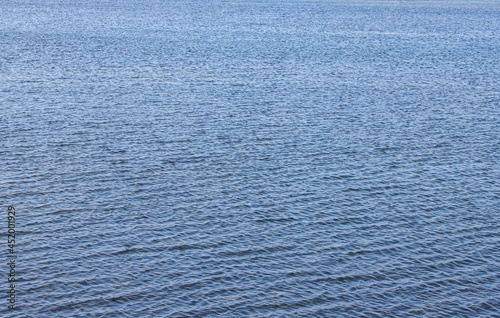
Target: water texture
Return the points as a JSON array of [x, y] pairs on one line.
[[252, 158]]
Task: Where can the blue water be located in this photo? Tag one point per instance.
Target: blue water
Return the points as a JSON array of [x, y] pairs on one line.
[[252, 158]]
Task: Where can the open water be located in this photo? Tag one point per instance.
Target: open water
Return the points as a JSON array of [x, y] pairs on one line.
[[251, 158]]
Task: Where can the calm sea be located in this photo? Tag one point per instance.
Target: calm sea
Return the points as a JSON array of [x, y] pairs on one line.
[[251, 158]]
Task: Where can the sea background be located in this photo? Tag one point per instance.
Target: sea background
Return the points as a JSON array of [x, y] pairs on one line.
[[251, 158]]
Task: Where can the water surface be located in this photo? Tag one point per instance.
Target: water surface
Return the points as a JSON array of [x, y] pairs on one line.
[[252, 158]]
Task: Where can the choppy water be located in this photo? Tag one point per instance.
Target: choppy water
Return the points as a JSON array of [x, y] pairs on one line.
[[252, 158]]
